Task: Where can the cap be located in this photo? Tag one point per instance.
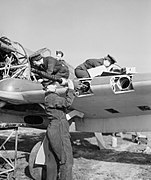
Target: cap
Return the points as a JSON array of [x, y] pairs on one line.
[[35, 57], [59, 52], [111, 58]]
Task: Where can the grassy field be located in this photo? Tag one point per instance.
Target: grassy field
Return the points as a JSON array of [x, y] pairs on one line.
[[128, 161]]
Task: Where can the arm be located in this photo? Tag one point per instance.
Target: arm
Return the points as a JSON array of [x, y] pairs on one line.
[[94, 62], [65, 102], [55, 101], [70, 95], [115, 68], [46, 75], [51, 62]]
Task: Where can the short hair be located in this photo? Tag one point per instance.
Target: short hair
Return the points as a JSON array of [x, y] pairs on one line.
[[59, 52]]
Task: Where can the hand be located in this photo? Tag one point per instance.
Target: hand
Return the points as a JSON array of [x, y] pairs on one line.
[[70, 84], [59, 80], [64, 81], [33, 70]]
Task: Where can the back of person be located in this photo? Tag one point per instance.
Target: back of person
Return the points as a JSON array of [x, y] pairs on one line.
[[56, 67], [49, 69], [91, 63], [61, 69], [81, 70]]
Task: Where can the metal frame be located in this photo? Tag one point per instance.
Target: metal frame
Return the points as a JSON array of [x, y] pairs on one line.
[[4, 173]]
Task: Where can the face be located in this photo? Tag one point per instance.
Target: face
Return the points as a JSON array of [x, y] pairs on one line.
[[38, 62], [58, 56], [107, 62]]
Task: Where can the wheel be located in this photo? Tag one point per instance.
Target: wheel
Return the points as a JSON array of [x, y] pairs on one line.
[[38, 172]]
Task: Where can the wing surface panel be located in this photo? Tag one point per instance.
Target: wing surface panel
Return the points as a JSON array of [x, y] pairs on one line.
[[104, 103]]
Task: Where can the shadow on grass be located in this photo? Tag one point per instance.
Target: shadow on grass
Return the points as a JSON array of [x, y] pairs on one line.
[[82, 148], [88, 150], [25, 142]]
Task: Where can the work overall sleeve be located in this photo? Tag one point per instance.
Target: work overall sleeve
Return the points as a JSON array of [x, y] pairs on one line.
[[91, 63], [58, 129], [60, 102], [47, 75], [51, 62], [67, 101]]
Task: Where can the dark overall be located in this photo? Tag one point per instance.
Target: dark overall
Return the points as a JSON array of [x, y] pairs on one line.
[[81, 70], [59, 157], [53, 69]]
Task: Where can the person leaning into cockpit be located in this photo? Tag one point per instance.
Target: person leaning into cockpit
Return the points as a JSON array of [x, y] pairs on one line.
[[50, 68], [81, 70]]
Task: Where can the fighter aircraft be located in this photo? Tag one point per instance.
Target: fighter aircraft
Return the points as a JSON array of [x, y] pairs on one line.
[[108, 102]]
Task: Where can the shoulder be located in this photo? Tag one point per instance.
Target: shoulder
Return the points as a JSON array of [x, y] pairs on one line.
[[50, 59], [91, 61], [100, 60], [50, 96], [63, 62]]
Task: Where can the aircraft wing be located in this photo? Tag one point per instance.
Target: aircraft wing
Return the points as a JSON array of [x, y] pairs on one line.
[[112, 103], [109, 103], [116, 103], [21, 91]]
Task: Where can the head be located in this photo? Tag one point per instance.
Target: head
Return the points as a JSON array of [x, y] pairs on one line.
[[59, 55], [38, 60], [109, 60]]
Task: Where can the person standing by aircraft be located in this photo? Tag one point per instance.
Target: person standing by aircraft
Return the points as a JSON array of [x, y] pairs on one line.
[[81, 70], [50, 68], [59, 157]]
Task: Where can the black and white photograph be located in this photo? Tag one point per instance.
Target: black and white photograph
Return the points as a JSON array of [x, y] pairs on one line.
[[75, 90]]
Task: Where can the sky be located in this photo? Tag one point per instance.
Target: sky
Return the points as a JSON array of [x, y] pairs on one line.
[[82, 29]]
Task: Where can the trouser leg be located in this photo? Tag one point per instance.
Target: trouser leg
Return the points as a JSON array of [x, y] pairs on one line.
[[51, 162], [59, 138], [66, 168]]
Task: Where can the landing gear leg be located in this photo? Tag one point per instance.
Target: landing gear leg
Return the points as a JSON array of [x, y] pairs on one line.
[[100, 140]]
